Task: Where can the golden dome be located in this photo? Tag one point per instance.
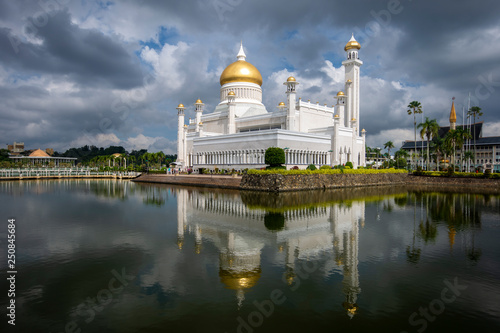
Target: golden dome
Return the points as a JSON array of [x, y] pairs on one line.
[[241, 71], [291, 79], [201, 123], [281, 104], [185, 126], [180, 106], [363, 130], [353, 119], [340, 93], [349, 81], [240, 280], [337, 116], [231, 93], [39, 153], [352, 44], [198, 101]]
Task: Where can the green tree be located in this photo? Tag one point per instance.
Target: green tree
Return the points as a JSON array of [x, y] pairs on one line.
[[438, 147], [462, 135], [274, 156], [474, 112], [455, 138], [389, 145], [429, 129], [414, 108]]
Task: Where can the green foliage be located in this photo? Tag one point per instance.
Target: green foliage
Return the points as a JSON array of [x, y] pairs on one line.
[[274, 156], [280, 167], [325, 167], [311, 167], [324, 171], [349, 164]]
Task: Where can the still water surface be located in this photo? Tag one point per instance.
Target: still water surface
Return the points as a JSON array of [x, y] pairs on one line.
[[115, 256]]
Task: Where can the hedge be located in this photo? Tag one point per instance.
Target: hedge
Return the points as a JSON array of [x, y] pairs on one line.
[[325, 171]]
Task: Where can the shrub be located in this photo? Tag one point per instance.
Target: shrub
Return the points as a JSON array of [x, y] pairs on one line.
[[487, 173], [274, 156], [349, 164], [324, 171], [325, 167], [280, 167], [311, 167]]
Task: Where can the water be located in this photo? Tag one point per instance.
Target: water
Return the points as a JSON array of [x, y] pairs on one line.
[[115, 256]]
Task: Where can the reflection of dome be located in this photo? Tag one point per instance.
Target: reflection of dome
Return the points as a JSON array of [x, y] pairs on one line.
[[351, 308], [241, 71], [239, 280]]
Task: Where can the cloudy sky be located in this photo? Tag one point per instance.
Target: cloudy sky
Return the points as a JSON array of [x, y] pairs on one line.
[[111, 73]]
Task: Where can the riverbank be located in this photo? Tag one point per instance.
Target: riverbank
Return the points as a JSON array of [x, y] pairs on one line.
[[287, 183], [215, 181]]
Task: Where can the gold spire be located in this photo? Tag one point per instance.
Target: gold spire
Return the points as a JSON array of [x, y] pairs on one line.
[[453, 114]]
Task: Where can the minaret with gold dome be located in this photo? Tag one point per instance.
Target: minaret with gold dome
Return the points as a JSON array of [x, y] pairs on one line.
[[453, 115], [352, 65]]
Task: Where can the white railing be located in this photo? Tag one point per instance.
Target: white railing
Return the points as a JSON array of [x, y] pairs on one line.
[[56, 172]]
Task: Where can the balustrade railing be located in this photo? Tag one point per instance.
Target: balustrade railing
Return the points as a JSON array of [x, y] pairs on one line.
[[55, 172]]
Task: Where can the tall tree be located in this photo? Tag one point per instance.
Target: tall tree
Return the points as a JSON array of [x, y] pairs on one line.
[[456, 138], [462, 135], [438, 146], [414, 108], [389, 145], [429, 129], [474, 111]]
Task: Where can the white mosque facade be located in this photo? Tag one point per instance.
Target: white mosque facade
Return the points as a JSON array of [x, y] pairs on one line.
[[240, 129]]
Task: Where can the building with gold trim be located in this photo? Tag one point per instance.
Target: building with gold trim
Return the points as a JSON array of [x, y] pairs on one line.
[[236, 134]]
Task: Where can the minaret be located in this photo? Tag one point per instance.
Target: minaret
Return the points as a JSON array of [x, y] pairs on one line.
[[199, 110], [291, 98], [231, 126], [453, 115], [352, 65], [180, 133]]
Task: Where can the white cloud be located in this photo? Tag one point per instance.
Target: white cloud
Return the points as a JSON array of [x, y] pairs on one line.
[[491, 129]]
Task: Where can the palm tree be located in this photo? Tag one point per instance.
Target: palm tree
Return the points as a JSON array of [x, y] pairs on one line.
[[462, 135], [438, 144], [468, 156], [456, 138], [474, 111], [389, 145], [429, 128], [414, 108]]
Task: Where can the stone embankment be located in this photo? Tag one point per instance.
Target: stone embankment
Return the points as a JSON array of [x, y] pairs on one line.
[[192, 180], [283, 183], [286, 183]]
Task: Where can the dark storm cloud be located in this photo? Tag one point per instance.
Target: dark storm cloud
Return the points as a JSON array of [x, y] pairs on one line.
[[88, 56]]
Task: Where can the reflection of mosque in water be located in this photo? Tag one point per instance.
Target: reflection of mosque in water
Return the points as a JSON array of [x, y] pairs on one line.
[[240, 231]]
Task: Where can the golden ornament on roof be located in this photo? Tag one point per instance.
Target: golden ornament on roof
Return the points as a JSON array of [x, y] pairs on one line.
[[241, 71]]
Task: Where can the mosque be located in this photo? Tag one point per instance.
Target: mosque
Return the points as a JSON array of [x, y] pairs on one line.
[[240, 129]]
